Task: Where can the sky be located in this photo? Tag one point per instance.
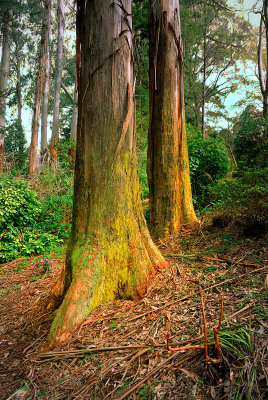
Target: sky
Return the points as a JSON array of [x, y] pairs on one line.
[[231, 99], [249, 70]]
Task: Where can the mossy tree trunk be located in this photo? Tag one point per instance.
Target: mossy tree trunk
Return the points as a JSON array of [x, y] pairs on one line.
[[170, 194], [110, 254]]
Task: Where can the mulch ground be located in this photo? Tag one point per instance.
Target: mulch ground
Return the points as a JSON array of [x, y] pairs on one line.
[[121, 352]]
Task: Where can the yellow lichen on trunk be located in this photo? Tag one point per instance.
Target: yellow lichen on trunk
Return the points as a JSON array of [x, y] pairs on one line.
[[170, 194], [110, 254]]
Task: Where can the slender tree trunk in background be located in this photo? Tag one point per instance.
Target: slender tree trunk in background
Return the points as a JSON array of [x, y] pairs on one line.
[[58, 73], [204, 89], [73, 134], [265, 8], [262, 80], [40, 84], [110, 254], [44, 150], [170, 193], [4, 72], [74, 114], [197, 113], [18, 85]]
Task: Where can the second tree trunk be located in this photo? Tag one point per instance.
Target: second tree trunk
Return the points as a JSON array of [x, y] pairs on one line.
[[170, 193]]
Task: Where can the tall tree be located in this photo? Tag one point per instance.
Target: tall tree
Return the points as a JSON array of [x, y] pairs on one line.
[[40, 83], [263, 75], [168, 166], [214, 41], [110, 254], [45, 108], [73, 133], [18, 85], [58, 72], [4, 72]]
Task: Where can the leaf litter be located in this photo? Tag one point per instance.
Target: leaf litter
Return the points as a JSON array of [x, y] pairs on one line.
[[154, 348]]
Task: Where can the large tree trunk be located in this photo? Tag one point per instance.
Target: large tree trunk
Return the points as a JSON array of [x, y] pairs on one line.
[[4, 72], [261, 75], [39, 84], [171, 204], [110, 254], [45, 106], [58, 73]]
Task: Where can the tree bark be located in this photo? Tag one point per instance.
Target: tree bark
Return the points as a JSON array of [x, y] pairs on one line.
[[4, 73], [263, 31], [110, 253], [73, 133], [170, 194], [18, 85], [204, 89], [44, 149], [265, 9], [39, 84], [58, 73]]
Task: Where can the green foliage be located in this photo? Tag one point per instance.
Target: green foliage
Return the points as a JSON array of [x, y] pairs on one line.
[[146, 392], [20, 213], [208, 163], [246, 194], [15, 146], [251, 140], [56, 211], [142, 117]]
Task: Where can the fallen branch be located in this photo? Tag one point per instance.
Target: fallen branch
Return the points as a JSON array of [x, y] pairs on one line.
[[225, 259], [204, 290], [141, 382], [76, 353], [205, 346]]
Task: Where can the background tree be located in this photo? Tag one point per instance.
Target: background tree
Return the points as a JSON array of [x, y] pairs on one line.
[[262, 72], [4, 73], [168, 166], [40, 83], [214, 42], [110, 253], [45, 108], [58, 73]]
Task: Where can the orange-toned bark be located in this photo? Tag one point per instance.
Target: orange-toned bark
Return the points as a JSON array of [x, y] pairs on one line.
[[170, 194], [111, 254]]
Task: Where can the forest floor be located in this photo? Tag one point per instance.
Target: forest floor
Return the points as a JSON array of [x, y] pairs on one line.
[[121, 350]]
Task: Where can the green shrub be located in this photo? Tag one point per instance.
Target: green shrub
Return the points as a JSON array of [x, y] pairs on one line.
[[57, 215], [208, 162], [15, 147], [20, 214], [142, 117], [246, 194], [250, 144]]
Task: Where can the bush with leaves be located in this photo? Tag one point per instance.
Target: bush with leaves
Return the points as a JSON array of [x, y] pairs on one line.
[[142, 117], [246, 194], [20, 230], [15, 147], [57, 216], [250, 144], [208, 162]]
